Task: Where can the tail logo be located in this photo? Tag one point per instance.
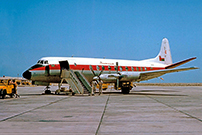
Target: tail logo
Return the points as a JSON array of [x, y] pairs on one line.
[[161, 59]]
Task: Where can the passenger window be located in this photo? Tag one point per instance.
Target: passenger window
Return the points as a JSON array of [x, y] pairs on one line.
[[126, 68], [141, 69], [98, 68], [137, 68], [121, 68], [132, 68], [145, 68], [109, 67]]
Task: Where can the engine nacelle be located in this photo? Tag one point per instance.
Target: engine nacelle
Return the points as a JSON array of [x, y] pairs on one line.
[[41, 83], [130, 76], [125, 76], [108, 78]]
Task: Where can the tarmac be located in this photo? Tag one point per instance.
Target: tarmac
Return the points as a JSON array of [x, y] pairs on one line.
[[147, 110]]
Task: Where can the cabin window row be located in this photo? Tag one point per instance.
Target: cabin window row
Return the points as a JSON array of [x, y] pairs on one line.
[[121, 68]]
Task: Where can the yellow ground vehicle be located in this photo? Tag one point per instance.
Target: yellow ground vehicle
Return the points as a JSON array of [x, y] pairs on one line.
[[6, 88], [104, 86], [25, 82]]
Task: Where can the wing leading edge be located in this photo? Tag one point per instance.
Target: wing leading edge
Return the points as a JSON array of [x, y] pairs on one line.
[[154, 74]]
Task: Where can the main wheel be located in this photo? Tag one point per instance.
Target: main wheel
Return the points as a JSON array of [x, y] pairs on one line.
[[125, 90], [12, 95], [4, 94], [47, 92]]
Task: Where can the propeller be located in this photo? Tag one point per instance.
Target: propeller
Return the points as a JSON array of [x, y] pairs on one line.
[[118, 77], [97, 78]]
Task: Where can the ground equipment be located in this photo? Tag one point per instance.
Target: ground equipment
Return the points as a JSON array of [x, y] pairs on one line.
[[7, 88]]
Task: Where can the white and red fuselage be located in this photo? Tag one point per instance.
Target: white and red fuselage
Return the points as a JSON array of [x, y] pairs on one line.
[[48, 69], [39, 72]]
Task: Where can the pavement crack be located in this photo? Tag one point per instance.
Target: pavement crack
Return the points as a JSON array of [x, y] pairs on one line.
[[19, 114], [185, 113], [102, 115]]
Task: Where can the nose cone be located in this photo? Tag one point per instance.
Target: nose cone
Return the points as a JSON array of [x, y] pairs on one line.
[[27, 74]]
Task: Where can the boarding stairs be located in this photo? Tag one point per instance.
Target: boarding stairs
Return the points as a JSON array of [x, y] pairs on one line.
[[79, 84], [84, 82]]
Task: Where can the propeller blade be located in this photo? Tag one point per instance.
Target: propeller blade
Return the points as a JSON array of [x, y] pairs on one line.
[[91, 68], [117, 83], [117, 66], [97, 78], [100, 73]]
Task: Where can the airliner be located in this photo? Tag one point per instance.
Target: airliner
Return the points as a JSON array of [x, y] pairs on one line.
[[80, 72]]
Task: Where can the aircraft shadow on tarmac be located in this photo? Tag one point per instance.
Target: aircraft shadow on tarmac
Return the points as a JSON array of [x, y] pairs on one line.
[[148, 93], [145, 92], [30, 94]]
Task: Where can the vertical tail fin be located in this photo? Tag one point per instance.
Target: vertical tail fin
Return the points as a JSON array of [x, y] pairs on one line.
[[164, 55]]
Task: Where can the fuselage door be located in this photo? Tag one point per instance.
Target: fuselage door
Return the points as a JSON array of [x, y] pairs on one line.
[[64, 65], [47, 70]]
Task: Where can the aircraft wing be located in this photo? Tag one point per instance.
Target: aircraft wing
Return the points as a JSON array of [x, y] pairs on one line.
[[153, 74]]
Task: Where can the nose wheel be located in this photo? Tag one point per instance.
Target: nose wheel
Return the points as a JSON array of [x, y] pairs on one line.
[[47, 90]]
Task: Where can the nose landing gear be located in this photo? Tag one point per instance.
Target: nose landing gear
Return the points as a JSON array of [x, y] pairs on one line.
[[47, 90]]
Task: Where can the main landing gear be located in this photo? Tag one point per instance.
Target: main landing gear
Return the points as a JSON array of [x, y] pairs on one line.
[[125, 90], [125, 87]]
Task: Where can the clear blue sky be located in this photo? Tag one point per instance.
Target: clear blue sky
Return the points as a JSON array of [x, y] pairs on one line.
[[125, 29]]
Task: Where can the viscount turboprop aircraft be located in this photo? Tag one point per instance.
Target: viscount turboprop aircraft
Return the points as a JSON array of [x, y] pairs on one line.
[[79, 73]]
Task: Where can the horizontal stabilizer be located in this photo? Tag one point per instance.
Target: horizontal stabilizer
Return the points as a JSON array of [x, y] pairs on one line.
[[153, 74], [180, 63]]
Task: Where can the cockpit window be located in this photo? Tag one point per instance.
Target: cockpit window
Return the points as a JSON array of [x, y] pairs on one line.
[[39, 62], [42, 62]]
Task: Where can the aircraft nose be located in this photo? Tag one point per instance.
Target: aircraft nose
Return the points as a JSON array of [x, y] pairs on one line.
[[27, 74]]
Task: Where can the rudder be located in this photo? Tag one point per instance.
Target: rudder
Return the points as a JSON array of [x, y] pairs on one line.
[[164, 55]]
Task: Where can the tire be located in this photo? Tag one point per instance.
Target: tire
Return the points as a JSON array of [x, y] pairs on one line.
[[57, 93], [12, 95], [125, 90], [4, 94], [47, 92]]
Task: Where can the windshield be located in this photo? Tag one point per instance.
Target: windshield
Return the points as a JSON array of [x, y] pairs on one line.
[[42, 62]]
